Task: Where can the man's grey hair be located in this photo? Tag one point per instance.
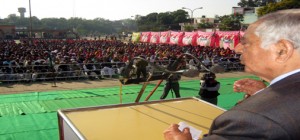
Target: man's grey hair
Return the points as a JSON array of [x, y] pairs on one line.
[[284, 24]]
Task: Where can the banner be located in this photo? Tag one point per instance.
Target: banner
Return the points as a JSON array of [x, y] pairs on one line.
[[207, 39], [145, 37], [242, 33], [154, 37], [223, 39], [164, 37], [176, 38], [135, 37], [228, 39], [189, 38]]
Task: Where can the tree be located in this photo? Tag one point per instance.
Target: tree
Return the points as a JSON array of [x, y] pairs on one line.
[[188, 28], [255, 3], [12, 19], [151, 22], [162, 21], [205, 24], [54, 23], [165, 20], [179, 16], [230, 22], [272, 7], [249, 3], [129, 25]]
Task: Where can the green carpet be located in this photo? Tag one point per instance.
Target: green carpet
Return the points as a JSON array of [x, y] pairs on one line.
[[33, 115]]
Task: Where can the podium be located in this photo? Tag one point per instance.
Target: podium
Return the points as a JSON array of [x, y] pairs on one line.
[[135, 121]]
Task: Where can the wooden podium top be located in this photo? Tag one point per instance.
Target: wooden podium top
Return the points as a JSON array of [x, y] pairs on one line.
[[138, 121]]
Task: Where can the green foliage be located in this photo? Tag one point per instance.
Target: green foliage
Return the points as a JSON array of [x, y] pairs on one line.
[[99, 26], [188, 28], [162, 21], [254, 3], [84, 27], [205, 25], [150, 22], [249, 3], [284, 4], [230, 22]]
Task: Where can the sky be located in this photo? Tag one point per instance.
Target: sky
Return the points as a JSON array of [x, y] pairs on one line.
[[113, 9]]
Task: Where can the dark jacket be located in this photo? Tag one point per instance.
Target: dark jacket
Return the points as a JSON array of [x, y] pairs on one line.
[[203, 92], [271, 114]]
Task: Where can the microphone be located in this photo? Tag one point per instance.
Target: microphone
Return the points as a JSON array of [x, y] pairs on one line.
[[217, 69], [191, 73], [196, 72]]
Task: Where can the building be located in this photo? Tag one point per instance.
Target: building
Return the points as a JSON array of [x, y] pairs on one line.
[[7, 31], [13, 32], [249, 13], [203, 19], [22, 11], [198, 20]]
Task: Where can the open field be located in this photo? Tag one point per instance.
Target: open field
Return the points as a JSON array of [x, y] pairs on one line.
[[33, 112], [84, 84]]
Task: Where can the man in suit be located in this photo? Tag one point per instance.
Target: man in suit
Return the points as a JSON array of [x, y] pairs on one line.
[[270, 49], [248, 86]]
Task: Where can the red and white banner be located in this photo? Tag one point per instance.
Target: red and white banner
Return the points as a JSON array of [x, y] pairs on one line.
[[207, 39], [228, 39], [242, 33], [189, 38], [223, 39], [145, 37], [154, 37], [176, 38], [164, 37]]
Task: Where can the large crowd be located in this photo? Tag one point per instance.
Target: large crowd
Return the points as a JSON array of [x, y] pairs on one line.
[[40, 55]]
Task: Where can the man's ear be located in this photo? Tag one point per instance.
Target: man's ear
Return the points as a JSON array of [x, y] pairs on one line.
[[284, 49]]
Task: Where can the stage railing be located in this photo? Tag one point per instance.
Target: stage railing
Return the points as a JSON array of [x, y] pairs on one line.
[[59, 72], [31, 73]]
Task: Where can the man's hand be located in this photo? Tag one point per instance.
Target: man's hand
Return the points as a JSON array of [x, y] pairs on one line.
[[248, 86], [173, 133]]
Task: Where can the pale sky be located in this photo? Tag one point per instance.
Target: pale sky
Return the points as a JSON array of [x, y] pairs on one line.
[[113, 9]]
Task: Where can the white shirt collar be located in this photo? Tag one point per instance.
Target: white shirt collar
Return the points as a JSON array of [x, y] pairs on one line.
[[283, 76]]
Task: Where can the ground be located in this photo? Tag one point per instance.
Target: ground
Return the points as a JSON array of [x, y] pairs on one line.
[[83, 84]]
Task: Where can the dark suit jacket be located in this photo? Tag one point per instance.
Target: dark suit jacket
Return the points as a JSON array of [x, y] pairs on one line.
[[273, 113]]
